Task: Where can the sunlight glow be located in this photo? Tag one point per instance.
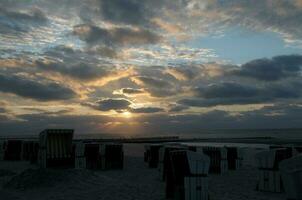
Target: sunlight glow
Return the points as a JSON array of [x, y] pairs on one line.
[[127, 114]]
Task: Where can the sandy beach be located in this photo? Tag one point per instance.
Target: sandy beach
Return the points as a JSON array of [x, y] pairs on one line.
[[20, 180]]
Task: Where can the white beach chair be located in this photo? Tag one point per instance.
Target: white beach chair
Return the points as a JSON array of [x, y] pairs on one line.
[[291, 173]]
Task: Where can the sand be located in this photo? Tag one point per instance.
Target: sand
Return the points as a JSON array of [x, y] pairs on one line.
[[20, 180]]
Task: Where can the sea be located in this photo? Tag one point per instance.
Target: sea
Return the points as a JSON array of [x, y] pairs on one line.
[[202, 134]]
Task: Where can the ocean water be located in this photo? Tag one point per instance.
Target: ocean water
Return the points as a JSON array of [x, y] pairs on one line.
[[203, 134], [246, 133]]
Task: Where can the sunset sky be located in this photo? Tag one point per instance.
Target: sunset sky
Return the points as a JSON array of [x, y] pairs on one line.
[[149, 66]]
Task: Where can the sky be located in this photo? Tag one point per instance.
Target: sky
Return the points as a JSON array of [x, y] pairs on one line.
[[151, 67]]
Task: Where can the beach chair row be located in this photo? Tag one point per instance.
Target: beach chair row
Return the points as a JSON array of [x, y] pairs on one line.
[[99, 156], [55, 149], [185, 168], [222, 159], [59, 151], [14, 150]]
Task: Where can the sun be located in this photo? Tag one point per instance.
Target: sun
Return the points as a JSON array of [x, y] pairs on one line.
[[127, 114]]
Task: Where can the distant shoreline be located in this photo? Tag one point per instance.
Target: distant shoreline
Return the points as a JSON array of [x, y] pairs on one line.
[[245, 140]]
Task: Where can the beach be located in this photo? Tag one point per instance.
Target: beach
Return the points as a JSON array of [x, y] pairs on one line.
[[20, 180]]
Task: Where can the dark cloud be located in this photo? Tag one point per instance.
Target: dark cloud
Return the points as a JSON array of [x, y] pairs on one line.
[[112, 104], [14, 21], [230, 93], [157, 87], [274, 69], [124, 11], [38, 90], [131, 91], [115, 36], [106, 52], [178, 108], [151, 82], [226, 90], [70, 56], [2, 110], [147, 110], [80, 71], [185, 72], [121, 105], [195, 102]]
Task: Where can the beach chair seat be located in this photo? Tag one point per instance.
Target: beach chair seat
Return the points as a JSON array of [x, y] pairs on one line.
[[80, 159], [112, 156], [218, 158], [291, 173], [188, 178], [55, 148], [164, 159], [146, 153], [152, 154], [13, 149], [30, 151], [269, 178], [232, 156], [2, 149], [92, 155]]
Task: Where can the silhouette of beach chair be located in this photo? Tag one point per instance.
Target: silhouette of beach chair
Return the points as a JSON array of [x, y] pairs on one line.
[[12, 150], [30, 151], [164, 163], [55, 148], [269, 178], [80, 159], [188, 179], [234, 157], [104, 156], [151, 155], [291, 173], [218, 158], [2, 149], [112, 156]]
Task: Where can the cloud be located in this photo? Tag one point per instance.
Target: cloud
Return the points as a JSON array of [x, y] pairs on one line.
[[124, 11], [184, 73], [150, 82], [279, 16], [178, 108], [274, 69], [156, 87], [146, 110], [79, 71], [129, 91], [38, 90], [115, 36], [226, 90], [121, 105], [233, 93], [112, 104], [15, 21]]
